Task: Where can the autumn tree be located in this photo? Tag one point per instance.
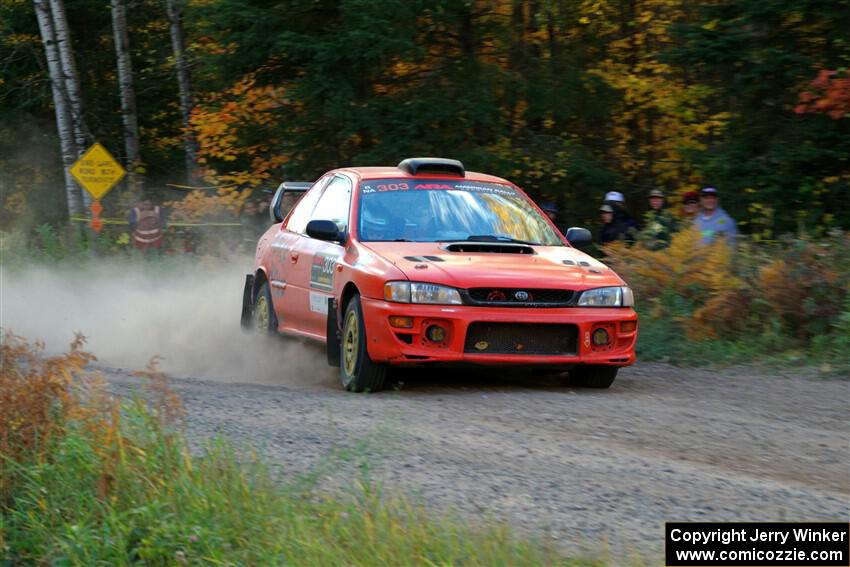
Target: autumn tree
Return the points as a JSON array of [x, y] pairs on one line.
[[757, 57]]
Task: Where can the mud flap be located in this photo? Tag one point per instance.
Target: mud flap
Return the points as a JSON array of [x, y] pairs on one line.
[[332, 334], [247, 301]]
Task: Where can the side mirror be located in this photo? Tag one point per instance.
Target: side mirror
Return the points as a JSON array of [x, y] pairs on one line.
[[287, 194], [324, 230], [578, 236]]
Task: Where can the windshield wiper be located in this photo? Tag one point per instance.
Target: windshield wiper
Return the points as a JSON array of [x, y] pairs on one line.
[[498, 238]]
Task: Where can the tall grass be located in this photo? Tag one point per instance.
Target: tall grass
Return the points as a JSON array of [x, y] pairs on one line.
[[91, 481]]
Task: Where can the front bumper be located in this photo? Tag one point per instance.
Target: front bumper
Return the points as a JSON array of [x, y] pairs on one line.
[[411, 346]]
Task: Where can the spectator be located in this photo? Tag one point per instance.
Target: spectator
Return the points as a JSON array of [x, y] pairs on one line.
[[622, 226], [551, 210], [660, 223], [690, 205], [712, 221], [613, 229], [147, 225]]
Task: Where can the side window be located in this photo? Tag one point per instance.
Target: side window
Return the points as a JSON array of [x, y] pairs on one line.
[[301, 214], [335, 203]]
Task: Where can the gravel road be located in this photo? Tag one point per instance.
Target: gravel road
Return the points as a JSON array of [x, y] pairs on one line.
[[597, 471]]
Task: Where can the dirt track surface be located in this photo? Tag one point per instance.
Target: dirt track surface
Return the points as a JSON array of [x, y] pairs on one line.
[[597, 471]]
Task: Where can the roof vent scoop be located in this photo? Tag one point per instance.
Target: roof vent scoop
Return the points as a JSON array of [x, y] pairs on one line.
[[417, 165]]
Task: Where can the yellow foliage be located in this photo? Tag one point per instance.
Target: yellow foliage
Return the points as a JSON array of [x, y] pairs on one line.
[[16, 203], [661, 116], [199, 204], [687, 268]]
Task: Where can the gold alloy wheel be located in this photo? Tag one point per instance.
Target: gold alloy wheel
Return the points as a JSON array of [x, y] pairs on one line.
[[351, 339], [261, 314]]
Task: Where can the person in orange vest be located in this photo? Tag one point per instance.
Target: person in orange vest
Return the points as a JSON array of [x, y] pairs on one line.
[[147, 225]]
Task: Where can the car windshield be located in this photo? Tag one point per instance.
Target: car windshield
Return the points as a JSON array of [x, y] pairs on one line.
[[424, 210]]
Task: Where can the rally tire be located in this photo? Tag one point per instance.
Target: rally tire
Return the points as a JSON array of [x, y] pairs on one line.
[[263, 317], [593, 376], [356, 370]]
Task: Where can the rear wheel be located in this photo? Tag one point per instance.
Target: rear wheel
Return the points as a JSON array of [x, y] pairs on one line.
[[357, 371], [264, 319], [593, 376]]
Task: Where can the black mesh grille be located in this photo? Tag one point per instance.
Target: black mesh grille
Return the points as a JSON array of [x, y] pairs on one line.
[[517, 297], [521, 338]]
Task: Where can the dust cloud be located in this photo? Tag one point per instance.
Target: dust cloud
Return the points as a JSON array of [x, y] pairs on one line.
[[185, 312]]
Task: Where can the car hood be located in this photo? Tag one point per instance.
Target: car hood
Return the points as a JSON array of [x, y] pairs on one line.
[[550, 267]]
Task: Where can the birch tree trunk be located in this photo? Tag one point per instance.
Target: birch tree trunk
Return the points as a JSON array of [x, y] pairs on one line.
[[64, 124], [128, 95], [181, 65], [71, 80]]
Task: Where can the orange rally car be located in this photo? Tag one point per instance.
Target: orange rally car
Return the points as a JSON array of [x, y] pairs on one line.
[[426, 264]]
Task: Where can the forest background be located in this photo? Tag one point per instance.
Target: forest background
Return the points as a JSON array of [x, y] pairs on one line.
[[567, 98]]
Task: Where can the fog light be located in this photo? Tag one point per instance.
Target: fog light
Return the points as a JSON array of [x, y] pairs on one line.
[[628, 326], [600, 337], [435, 333], [401, 322]]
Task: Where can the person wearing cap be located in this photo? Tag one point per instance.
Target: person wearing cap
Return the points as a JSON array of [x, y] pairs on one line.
[[550, 209], [659, 224], [614, 197], [617, 223], [690, 205], [614, 226], [712, 221]]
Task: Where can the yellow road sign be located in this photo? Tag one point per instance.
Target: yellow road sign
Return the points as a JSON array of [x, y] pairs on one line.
[[97, 171]]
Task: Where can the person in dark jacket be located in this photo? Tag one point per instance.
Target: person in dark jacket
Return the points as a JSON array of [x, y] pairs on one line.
[[615, 225], [618, 224]]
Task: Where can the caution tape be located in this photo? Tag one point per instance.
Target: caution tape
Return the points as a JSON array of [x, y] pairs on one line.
[[193, 187], [124, 222]]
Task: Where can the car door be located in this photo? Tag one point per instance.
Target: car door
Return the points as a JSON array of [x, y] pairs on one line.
[[286, 267], [321, 257]]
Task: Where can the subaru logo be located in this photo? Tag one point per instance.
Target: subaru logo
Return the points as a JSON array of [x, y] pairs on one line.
[[521, 296]]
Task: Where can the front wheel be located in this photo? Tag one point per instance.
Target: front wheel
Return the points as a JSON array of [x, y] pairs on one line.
[[593, 376], [357, 371]]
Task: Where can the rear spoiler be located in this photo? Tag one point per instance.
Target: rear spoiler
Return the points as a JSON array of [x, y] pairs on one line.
[[298, 187]]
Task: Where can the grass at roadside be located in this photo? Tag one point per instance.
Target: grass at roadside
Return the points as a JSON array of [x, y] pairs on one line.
[[86, 480], [663, 340]]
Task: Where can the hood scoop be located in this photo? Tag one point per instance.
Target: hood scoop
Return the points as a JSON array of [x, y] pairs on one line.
[[490, 247], [423, 259]]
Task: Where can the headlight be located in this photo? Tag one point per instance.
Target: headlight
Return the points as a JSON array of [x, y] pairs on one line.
[[418, 292], [618, 296]]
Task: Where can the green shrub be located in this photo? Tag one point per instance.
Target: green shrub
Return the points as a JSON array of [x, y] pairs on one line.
[[119, 486]]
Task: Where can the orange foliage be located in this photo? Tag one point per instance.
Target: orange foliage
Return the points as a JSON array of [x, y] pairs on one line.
[[43, 398], [222, 124], [39, 396], [830, 95]]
